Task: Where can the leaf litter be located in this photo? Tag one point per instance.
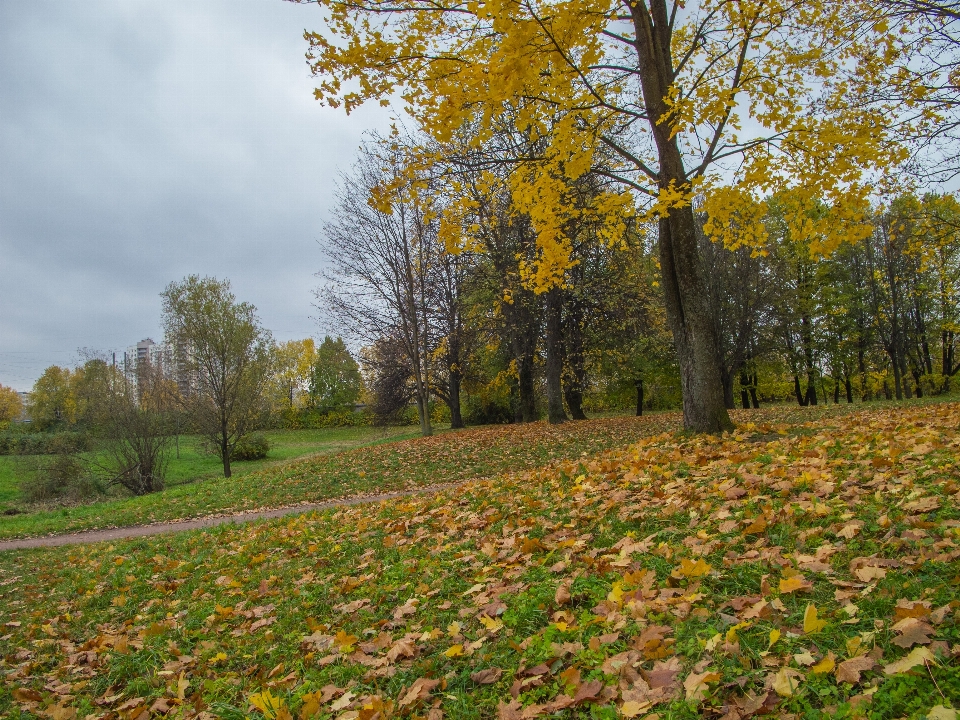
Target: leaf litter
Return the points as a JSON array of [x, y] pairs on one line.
[[675, 577]]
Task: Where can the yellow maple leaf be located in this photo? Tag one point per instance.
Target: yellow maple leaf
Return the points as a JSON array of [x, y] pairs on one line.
[[794, 583], [918, 656], [691, 569], [454, 651], [812, 624], [267, 704], [824, 666], [785, 682]]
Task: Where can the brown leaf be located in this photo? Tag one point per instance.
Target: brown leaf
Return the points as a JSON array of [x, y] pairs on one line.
[[562, 596], [849, 670], [510, 711], [401, 648], [420, 690], [914, 632], [488, 676], [588, 691], [26, 695]]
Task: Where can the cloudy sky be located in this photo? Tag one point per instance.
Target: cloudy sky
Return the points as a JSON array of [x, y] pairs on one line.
[[141, 142]]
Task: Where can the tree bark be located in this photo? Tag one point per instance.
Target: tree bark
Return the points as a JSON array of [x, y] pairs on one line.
[[801, 398], [689, 313], [225, 451], [726, 379], [453, 399], [691, 323], [575, 377], [528, 401], [554, 342], [639, 397]]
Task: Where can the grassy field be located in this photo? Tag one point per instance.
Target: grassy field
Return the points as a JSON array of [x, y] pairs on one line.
[[383, 467], [190, 463], [477, 453], [804, 567]]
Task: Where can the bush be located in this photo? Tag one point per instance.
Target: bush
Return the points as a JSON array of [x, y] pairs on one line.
[[313, 419], [251, 447], [44, 443], [62, 477]]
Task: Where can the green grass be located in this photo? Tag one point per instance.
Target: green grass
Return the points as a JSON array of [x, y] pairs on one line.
[[207, 622], [377, 466]]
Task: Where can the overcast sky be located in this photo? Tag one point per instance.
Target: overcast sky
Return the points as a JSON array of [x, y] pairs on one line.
[[142, 142]]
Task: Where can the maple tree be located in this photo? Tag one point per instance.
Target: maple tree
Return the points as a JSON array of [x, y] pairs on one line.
[[728, 99]]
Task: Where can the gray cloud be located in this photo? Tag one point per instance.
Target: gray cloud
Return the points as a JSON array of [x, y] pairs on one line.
[[140, 142]]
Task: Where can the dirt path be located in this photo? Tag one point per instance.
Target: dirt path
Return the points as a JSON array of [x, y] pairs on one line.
[[160, 528]]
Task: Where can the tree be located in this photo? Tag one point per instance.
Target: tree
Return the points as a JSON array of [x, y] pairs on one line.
[[226, 354], [335, 381], [729, 99], [294, 361], [11, 406], [381, 248], [52, 399], [136, 417]]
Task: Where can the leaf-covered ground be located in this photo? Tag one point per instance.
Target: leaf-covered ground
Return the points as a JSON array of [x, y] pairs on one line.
[[394, 466], [789, 570]]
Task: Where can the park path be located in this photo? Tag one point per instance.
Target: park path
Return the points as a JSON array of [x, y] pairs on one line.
[[200, 523]]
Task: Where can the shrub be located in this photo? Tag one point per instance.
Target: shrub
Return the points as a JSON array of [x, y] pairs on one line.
[[251, 447], [44, 443], [61, 477]]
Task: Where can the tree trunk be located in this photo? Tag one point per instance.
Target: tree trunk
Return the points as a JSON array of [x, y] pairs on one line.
[[726, 379], [897, 378], [554, 340], [453, 399], [801, 398], [575, 377], [225, 452], [528, 401], [849, 387], [639, 397], [689, 313], [753, 394], [690, 318]]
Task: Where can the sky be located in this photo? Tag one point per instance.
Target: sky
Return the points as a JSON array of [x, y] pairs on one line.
[[143, 142]]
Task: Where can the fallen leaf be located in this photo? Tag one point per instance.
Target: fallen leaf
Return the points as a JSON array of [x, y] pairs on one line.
[[785, 682], [824, 666], [811, 624], [917, 656], [849, 670], [696, 684], [420, 690], [794, 583], [487, 676]]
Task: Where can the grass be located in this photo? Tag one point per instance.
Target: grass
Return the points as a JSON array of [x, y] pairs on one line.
[[380, 465], [479, 452], [190, 463], [787, 556]]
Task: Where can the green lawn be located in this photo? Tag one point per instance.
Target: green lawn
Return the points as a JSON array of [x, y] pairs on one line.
[[190, 464], [378, 466]]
